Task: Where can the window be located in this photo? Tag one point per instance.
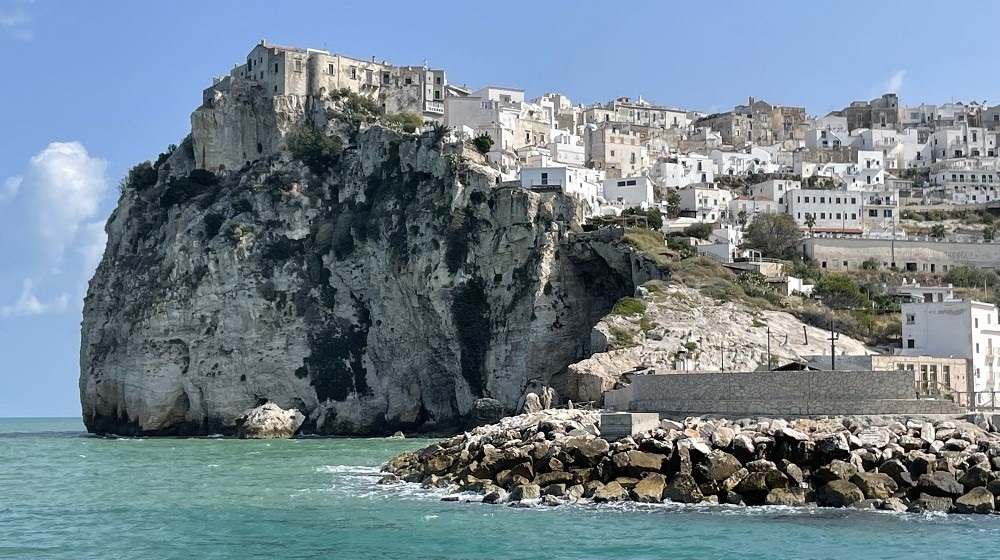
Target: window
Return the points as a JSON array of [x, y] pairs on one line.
[[822, 200], [621, 183], [887, 213], [527, 137], [330, 69], [385, 78], [437, 95], [977, 348], [822, 215], [872, 213], [838, 216], [946, 373], [486, 104], [545, 178], [838, 202], [612, 153], [911, 319], [854, 200], [298, 65], [276, 67], [854, 216], [408, 81], [630, 183], [910, 343], [354, 73]]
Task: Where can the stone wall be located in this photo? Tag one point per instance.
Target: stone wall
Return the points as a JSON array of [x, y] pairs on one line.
[[776, 393], [926, 256]]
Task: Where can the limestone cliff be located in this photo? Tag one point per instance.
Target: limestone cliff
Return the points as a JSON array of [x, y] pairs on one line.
[[388, 291]]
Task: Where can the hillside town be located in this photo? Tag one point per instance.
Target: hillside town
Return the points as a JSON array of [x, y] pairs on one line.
[[876, 185]]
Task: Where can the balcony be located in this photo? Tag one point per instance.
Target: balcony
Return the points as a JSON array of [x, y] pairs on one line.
[[434, 107]]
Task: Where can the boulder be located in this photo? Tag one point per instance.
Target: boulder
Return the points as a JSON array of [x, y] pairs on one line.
[[718, 466], [791, 434], [893, 504], [927, 433], [756, 486], [875, 486], [671, 425], [532, 404], [483, 412], [269, 421], [734, 480], [975, 477], [793, 472], [833, 446], [940, 483], [611, 492], [836, 470], [994, 487], [650, 489], [786, 497], [438, 464], [496, 496], [743, 447], [977, 500], [554, 477], [723, 437], [838, 493], [899, 473], [761, 465], [926, 504], [683, 489], [875, 436], [554, 490], [586, 451], [525, 492], [635, 463]]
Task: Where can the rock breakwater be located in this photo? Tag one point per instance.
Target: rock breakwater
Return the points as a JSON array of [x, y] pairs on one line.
[[555, 457]]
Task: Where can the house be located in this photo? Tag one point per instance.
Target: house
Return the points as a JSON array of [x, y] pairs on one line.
[[757, 122], [774, 189], [628, 191], [705, 202], [580, 181], [614, 148], [753, 160], [834, 211], [967, 181], [679, 171], [882, 112], [749, 207], [966, 329]]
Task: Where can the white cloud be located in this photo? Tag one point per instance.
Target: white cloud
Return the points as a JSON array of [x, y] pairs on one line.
[[28, 304], [10, 187], [67, 187], [895, 82], [17, 24]]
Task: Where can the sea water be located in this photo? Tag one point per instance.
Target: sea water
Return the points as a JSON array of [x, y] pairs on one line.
[[64, 494]]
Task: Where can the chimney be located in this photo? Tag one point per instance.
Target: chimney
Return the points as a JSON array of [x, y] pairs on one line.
[[373, 59], [751, 100]]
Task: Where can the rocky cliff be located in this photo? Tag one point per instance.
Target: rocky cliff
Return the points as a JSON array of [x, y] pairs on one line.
[[389, 286]]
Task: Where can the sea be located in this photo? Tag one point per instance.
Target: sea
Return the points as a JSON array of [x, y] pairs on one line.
[[67, 494]]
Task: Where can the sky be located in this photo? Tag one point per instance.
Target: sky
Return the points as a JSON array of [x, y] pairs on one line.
[[91, 88]]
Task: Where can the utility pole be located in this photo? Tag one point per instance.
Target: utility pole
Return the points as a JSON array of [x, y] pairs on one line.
[[833, 347]]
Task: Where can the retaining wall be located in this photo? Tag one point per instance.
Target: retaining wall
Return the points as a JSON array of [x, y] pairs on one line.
[[794, 393]]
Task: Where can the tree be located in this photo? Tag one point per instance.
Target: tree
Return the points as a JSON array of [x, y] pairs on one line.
[[989, 233], [810, 222], [673, 204], [938, 232], [838, 291], [483, 143], [317, 150], [871, 263], [701, 231], [741, 218], [774, 235], [653, 218]]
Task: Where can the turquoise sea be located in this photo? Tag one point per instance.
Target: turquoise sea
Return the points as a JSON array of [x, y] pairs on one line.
[[64, 494]]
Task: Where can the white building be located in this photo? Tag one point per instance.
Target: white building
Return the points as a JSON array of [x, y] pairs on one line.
[[581, 181], [834, 211], [955, 328], [680, 171], [967, 181], [774, 189], [629, 191], [752, 206], [705, 202], [755, 160]]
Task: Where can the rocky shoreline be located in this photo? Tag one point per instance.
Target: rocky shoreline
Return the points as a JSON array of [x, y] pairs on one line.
[[556, 457]]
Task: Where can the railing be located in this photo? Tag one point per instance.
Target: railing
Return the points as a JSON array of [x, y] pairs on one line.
[[976, 401], [434, 107]]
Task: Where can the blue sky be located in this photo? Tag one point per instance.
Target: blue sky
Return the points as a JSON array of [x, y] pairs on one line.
[[91, 88]]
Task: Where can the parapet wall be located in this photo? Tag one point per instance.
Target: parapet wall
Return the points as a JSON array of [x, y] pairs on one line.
[[797, 393]]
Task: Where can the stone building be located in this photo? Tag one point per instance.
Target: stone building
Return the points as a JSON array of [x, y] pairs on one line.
[[758, 122], [616, 149], [294, 71], [882, 112]]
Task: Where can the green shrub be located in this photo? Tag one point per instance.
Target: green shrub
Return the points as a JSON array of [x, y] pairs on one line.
[[965, 276], [620, 338], [163, 157], [142, 176], [483, 143], [701, 231], [629, 306], [180, 190], [871, 263], [318, 151], [409, 122]]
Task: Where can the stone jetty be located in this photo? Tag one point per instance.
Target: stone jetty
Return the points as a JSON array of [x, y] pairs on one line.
[[555, 457]]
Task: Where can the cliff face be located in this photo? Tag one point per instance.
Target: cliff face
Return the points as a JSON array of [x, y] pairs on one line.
[[390, 292]]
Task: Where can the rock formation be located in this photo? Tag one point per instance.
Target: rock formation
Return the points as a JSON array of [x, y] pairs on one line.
[[389, 285], [862, 462], [268, 421]]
